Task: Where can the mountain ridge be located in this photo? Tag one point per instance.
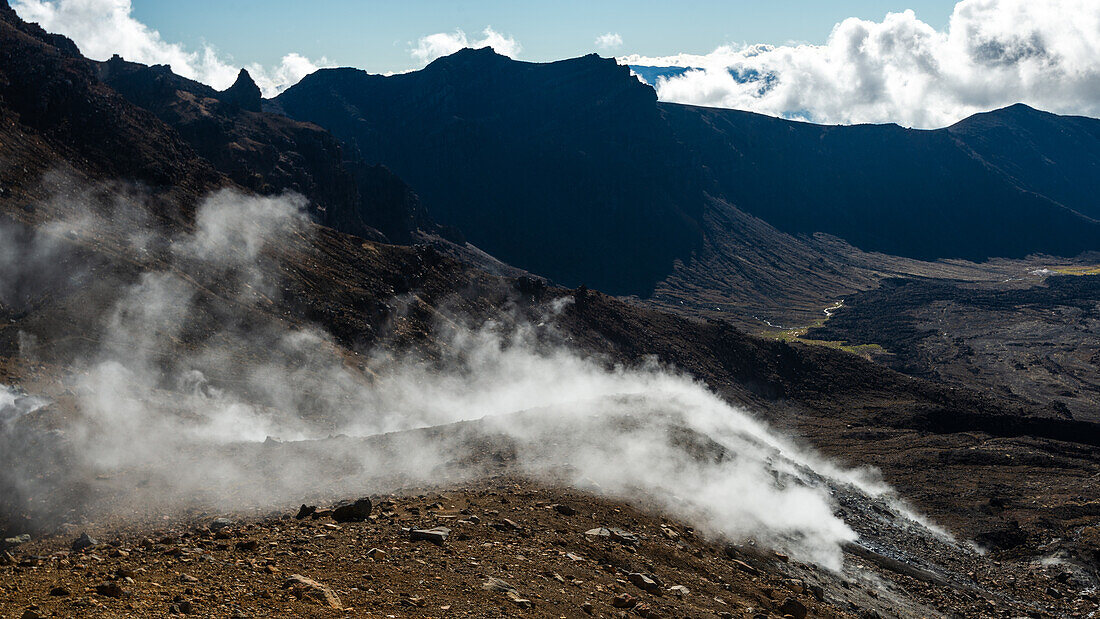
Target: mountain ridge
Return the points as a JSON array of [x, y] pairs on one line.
[[882, 188]]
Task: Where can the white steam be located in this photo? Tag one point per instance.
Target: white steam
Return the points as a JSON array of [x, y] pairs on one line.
[[993, 53], [101, 28], [187, 381]]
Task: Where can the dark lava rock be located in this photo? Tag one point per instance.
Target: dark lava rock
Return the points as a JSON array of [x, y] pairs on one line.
[[220, 523], [110, 589], [643, 582], [564, 510], [83, 542], [352, 512], [435, 535], [614, 534], [305, 511], [1004, 538], [794, 608], [624, 600]]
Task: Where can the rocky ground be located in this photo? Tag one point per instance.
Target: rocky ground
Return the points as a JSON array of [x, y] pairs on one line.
[[504, 546]]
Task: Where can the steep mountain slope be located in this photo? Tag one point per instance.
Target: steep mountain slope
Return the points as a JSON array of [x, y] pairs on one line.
[[1054, 156], [269, 153], [55, 110], [881, 187], [561, 169], [560, 158]]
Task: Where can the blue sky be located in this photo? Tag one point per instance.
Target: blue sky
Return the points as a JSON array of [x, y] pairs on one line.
[[377, 35], [918, 63]]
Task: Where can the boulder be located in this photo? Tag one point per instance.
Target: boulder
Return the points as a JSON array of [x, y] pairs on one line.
[[435, 535], [356, 511]]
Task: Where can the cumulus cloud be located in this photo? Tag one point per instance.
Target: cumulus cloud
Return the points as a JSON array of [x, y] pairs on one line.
[[105, 27], [609, 40], [433, 46], [993, 53]]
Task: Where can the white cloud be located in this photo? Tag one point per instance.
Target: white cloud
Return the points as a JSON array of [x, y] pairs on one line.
[[433, 46], [609, 40], [993, 53], [105, 27]]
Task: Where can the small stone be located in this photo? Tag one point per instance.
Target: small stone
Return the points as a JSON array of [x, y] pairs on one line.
[[110, 589], [614, 534], [587, 608], [303, 587], [643, 582], [59, 591], [357, 511], [794, 608], [84, 542], [564, 510], [248, 544], [12, 542], [376, 554], [624, 600], [645, 611], [679, 590], [220, 523], [435, 535], [305, 511], [30, 613], [188, 578]]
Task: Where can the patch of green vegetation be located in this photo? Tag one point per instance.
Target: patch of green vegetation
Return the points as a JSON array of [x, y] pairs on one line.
[[1082, 270], [798, 334]]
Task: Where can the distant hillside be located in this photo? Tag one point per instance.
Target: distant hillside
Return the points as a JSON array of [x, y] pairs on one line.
[[883, 188], [573, 170]]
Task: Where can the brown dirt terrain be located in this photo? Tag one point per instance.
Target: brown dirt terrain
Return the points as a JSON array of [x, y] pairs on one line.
[[528, 535]]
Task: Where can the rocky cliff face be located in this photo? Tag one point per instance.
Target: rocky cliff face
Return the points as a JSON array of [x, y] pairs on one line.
[[559, 168], [269, 153]]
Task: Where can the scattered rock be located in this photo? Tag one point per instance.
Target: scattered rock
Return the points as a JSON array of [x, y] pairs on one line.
[[356, 511], [220, 523], [84, 542], [59, 591], [376, 554], [501, 586], [30, 613], [305, 511], [794, 608], [12, 542], [614, 534], [564, 510], [110, 589], [588, 608], [307, 588], [248, 544], [643, 582], [679, 590], [435, 535], [646, 611], [624, 600]]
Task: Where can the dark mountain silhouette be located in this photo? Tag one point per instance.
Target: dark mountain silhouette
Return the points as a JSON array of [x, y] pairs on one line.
[[1056, 156], [269, 153], [573, 170], [880, 187], [557, 168], [55, 111]]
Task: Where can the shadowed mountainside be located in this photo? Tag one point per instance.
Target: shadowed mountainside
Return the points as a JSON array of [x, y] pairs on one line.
[[556, 168], [269, 153], [573, 170]]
